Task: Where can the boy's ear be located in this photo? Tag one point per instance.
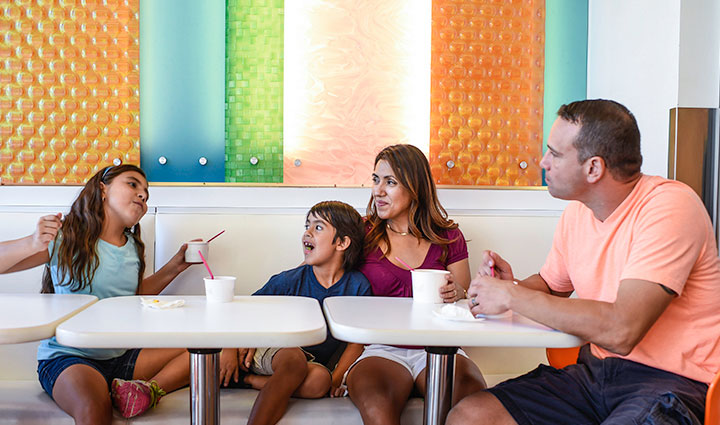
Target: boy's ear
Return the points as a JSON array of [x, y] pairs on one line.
[[343, 244]]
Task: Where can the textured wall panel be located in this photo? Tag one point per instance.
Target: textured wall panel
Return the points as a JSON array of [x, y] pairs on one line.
[[487, 92], [357, 79], [69, 82], [254, 91]]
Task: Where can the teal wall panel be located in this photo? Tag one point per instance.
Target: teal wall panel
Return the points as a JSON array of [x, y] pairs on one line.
[[182, 89]]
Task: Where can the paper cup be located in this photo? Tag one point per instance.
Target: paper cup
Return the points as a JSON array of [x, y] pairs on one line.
[[426, 285], [220, 290], [192, 256]]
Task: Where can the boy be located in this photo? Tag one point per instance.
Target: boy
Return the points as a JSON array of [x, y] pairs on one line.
[[332, 246]]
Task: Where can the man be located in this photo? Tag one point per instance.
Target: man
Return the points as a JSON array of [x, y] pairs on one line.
[[640, 254]]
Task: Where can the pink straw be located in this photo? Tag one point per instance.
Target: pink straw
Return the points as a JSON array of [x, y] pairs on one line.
[[206, 265], [492, 272], [404, 264], [223, 231]]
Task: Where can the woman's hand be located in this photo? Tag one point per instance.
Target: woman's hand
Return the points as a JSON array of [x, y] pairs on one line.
[[229, 366], [451, 292]]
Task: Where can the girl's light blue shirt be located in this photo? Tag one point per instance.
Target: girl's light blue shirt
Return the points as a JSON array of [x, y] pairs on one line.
[[116, 275]]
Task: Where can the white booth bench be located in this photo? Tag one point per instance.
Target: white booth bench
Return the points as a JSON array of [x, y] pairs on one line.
[[263, 230]]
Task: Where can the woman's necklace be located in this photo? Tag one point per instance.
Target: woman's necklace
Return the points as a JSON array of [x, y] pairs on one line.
[[395, 231]]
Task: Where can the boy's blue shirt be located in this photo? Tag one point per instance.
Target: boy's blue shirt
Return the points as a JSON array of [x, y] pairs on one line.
[[302, 282]]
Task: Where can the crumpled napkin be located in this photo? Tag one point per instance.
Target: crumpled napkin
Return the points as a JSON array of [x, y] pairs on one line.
[[456, 310], [161, 305]]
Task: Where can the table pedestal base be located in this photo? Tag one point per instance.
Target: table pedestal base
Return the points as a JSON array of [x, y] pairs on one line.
[[204, 386], [440, 372]]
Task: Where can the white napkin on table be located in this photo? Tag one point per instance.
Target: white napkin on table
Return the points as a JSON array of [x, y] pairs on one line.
[[161, 305]]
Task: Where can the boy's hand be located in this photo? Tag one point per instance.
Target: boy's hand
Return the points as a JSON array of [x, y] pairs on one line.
[[47, 229], [229, 366], [246, 358], [337, 389]]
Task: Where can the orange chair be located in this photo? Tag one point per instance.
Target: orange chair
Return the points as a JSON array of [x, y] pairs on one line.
[[561, 357]]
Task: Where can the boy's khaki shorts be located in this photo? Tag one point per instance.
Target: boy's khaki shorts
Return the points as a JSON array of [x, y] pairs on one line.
[[262, 360]]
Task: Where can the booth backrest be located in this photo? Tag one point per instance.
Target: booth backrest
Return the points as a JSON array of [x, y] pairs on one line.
[[256, 246]]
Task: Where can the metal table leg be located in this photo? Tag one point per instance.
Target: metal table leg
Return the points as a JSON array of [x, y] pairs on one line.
[[440, 374], [204, 386]]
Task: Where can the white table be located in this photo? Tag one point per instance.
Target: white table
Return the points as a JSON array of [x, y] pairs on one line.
[[32, 317], [202, 328], [399, 321]]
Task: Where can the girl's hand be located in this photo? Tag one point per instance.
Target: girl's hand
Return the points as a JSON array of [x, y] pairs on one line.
[[47, 228], [229, 366], [495, 266], [246, 358], [450, 292], [178, 260], [337, 389]]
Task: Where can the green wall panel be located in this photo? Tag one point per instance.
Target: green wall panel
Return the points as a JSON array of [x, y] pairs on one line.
[[254, 91]]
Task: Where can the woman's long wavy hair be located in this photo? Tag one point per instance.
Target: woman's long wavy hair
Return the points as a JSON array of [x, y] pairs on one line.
[[77, 251], [427, 217]]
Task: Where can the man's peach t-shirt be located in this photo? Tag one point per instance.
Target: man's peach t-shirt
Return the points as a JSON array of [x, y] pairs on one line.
[[660, 233]]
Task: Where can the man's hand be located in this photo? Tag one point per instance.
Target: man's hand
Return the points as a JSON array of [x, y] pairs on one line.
[[494, 265], [489, 295]]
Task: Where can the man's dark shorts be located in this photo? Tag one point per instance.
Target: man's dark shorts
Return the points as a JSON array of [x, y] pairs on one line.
[[121, 367], [609, 391]]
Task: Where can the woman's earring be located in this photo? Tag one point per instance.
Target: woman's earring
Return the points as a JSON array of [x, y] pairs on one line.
[[103, 199]]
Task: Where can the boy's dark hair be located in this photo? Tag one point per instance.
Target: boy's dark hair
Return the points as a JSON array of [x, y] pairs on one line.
[[347, 222]]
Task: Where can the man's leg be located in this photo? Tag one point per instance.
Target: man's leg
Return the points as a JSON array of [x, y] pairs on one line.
[[481, 407]]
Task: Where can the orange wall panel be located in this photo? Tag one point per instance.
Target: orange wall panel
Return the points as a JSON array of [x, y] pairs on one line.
[[487, 92]]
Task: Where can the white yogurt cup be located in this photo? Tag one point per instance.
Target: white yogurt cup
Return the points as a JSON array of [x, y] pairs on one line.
[[191, 254], [220, 290], [426, 285]]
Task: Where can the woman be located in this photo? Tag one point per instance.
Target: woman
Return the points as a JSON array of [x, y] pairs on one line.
[[405, 221]]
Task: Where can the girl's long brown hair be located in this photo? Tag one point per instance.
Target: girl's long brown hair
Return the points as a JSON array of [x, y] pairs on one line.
[[77, 252], [427, 217]]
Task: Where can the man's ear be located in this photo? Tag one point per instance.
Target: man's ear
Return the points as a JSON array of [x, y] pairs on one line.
[[595, 169], [343, 243]]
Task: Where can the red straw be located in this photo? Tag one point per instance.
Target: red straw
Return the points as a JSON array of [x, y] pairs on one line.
[[223, 231], [206, 265], [404, 264]]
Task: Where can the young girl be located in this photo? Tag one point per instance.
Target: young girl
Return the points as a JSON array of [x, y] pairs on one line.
[[96, 249], [405, 220]]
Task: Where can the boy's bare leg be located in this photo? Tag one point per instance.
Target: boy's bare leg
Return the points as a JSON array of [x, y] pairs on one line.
[[289, 371], [316, 384]]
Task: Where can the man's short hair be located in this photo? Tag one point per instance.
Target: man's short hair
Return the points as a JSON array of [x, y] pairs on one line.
[[347, 222], [608, 130]]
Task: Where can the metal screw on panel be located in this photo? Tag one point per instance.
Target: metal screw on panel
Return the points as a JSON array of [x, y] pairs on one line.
[[202, 160], [523, 165], [117, 161], [254, 160], [297, 163], [450, 164], [162, 160]]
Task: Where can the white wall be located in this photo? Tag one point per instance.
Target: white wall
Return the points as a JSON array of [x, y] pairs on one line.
[[653, 55]]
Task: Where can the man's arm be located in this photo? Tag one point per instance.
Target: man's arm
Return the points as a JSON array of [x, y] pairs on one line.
[[617, 327]]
